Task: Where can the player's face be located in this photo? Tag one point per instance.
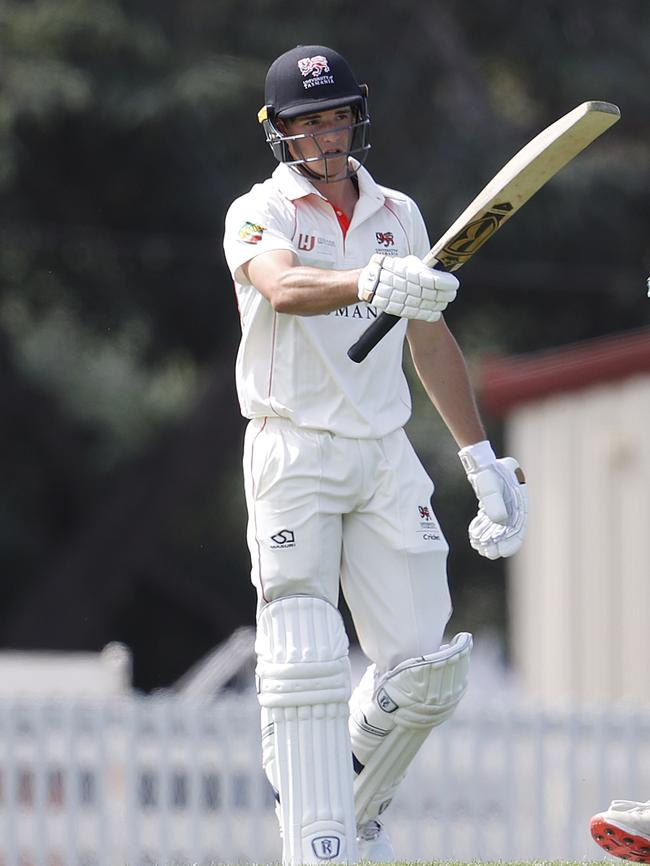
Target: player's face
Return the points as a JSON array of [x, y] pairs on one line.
[[327, 137]]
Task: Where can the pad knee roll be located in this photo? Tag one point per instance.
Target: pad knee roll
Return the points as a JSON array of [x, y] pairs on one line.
[[303, 676], [392, 716]]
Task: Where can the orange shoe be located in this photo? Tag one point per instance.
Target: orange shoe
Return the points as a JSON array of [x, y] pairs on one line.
[[624, 830]]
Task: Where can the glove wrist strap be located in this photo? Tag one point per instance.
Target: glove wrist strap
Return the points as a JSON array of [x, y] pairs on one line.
[[477, 456], [369, 278]]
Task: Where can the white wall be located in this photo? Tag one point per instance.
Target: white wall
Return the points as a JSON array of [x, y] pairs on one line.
[[579, 590]]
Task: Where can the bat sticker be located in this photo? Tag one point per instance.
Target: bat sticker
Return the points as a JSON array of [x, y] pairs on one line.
[[465, 244]]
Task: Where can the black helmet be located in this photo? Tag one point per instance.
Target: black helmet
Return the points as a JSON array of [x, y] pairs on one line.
[[306, 79]]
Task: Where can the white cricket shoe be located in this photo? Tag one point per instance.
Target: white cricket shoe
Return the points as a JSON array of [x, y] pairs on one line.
[[623, 830], [373, 844]]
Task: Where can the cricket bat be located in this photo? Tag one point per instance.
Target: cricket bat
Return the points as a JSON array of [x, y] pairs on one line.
[[509, 189]]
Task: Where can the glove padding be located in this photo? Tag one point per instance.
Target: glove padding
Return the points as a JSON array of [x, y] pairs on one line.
[[405, 287], [500, 525]]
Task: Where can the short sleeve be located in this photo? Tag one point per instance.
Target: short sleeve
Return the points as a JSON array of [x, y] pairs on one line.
[[255, 226]]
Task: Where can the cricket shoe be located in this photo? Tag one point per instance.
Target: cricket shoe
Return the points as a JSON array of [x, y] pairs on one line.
[[373, 844], [624, 830]]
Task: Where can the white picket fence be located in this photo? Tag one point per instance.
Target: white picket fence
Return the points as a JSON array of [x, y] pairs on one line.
[[166, 780]]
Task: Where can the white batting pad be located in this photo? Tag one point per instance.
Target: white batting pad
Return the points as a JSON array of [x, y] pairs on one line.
[[303, 674], [391, 716]]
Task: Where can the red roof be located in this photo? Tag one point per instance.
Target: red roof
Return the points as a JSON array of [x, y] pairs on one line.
[[508, 382]]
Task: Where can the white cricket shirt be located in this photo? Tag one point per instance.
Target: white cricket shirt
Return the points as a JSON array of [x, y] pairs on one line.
[[297, 367]]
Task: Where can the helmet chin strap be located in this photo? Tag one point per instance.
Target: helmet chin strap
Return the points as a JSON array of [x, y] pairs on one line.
[[303, 168]]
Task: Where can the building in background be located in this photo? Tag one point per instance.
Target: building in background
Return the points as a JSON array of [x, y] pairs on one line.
[[578, 419], [71, 675]]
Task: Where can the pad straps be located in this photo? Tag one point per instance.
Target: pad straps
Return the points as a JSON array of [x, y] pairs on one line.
[[391, 718]]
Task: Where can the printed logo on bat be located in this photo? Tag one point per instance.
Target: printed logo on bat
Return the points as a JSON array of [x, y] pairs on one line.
[[464, 245]]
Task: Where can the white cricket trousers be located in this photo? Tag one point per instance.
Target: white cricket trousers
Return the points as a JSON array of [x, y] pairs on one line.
[[326, 510]]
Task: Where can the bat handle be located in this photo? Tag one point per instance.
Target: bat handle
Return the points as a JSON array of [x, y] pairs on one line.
[[371, 336], [381, 326]]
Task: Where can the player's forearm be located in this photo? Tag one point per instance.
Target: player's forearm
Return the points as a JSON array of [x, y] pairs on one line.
[[305, 291], [442, 370]]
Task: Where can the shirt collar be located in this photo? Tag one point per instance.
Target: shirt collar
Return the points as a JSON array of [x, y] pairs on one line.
[[294, 185]]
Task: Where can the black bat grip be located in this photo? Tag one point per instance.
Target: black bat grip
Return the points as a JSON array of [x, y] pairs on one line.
[[371, 336]]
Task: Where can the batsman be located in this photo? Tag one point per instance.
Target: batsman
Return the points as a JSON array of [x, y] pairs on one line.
[[337, 498]]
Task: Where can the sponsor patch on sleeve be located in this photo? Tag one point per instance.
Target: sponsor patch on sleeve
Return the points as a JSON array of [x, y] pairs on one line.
[[251, 233]]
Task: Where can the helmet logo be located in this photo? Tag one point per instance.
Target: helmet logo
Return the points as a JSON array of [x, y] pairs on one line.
[[313, 66]]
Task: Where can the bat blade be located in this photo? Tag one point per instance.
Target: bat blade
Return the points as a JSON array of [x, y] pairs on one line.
[[526, 173]]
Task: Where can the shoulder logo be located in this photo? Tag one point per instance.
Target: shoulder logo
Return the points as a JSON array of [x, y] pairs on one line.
[[251, 233]]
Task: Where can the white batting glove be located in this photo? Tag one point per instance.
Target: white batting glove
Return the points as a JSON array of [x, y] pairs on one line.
[[500, 487], [405, 287]]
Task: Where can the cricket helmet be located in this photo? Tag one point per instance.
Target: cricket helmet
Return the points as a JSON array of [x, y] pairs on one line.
[[305, 80]]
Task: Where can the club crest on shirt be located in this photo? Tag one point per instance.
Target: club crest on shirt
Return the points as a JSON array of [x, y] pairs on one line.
[[385, 238], [251, 233]]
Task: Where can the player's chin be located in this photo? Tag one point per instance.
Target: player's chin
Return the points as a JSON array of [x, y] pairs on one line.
[[336, 166], [332, 167]]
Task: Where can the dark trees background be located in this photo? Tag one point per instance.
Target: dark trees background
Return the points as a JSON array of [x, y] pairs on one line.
[[126, 128]]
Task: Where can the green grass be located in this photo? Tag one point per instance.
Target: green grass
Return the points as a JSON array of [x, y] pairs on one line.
[[500, 862], [492, 862]]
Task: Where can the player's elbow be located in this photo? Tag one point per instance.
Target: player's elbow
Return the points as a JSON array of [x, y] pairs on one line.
[[282, 300], [286, 296]]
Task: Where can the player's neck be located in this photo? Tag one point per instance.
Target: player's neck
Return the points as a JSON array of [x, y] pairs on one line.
[[343, 195]]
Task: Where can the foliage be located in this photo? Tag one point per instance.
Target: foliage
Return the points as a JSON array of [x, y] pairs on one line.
[[126, 128]]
